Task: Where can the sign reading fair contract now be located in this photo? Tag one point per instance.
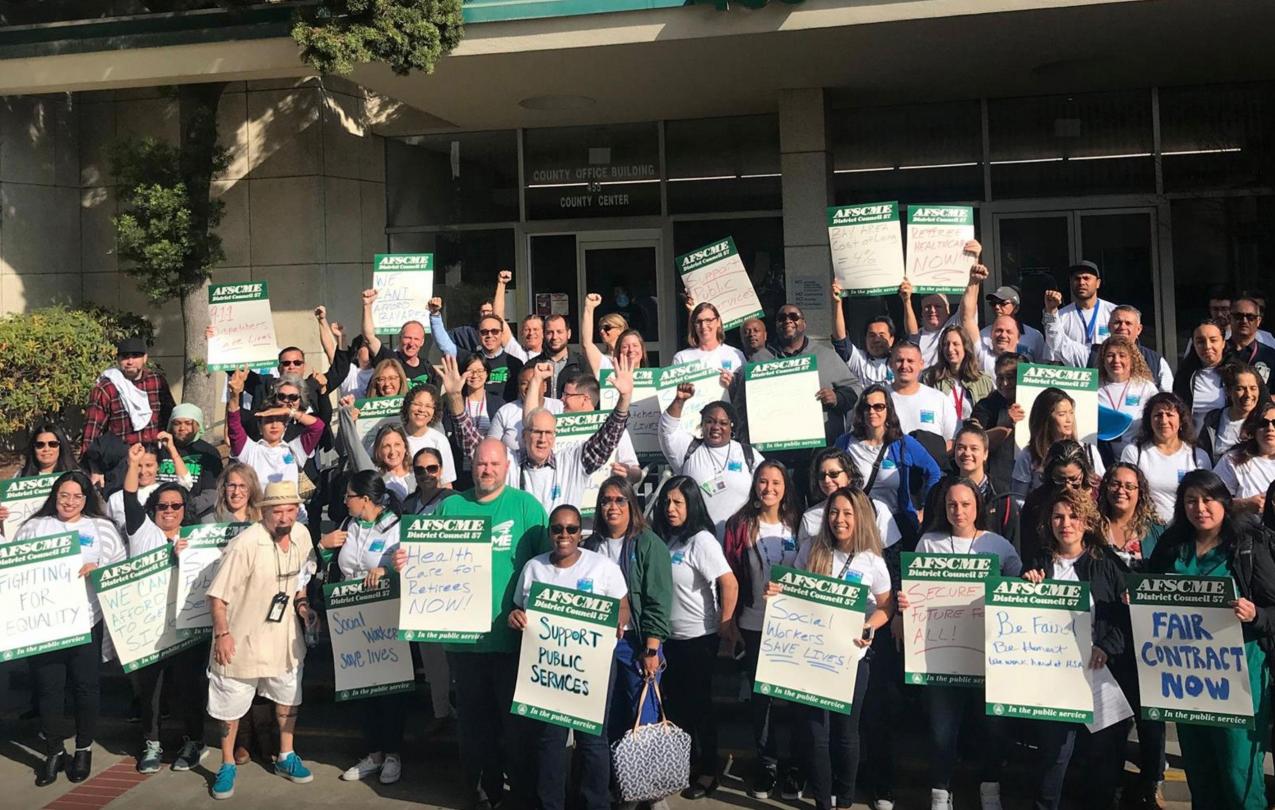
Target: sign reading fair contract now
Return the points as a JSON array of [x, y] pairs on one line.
[[568, 650], [139, 604], [23, 497], [367, 656], [808, 654], [943, 624], [243, 327], [43, 603], [1189, 648], [937, 261], [867, 248], [446, 584], [404, 283], [715, 274], [783, 410], [1081, 384]]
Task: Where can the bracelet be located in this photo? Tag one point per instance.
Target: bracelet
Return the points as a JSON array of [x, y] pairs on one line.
[[219, 636]]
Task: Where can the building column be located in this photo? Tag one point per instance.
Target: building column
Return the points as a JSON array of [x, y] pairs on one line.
[[806, 162]]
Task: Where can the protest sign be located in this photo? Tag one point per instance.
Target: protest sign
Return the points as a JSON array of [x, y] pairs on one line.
[[783, 411], [568, 649], [367, 656], [43, 603], [196, 567], [375, 413], [708, 388], [644, 410], [243, 327], [1081, 384], [139, 605], [446, 583], [577, 428], [1037, 647], [937, 261], [404, 283], [867, 248], [715, 274], [23, 497], [808, 654], [1189, 647], [943, 624]]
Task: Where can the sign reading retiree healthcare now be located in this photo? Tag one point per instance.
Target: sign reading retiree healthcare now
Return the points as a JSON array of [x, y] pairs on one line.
[[23, 497], [1081, 384], [43, 603], [445, 587], [715, 274], [139, 605], [243, 327], [404, 283], [937, 261], [783, 411], [196, 567], [867, 248], [943, 625], [367, 656]]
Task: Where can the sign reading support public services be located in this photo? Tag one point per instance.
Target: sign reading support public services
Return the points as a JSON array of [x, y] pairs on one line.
[[943, 624], [715, 274], [1081, 384], [1189, 647], [43, 603], [404, 283], [196, 567], [446, 583], [568, 650], [867, 248], [937, 261], [784, 412], [23, 497], [367, 655], [139, 605], [243, 327]]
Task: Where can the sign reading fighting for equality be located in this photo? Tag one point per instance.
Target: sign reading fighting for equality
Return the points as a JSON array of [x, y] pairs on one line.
[[243, 327], [139, 605], [867, 248], [196, 567], [715, 274], [367, 656], [943, 624], [784, 412], [1081, 384], [43, 603], [937, 261], [446, 584], [404, 283]]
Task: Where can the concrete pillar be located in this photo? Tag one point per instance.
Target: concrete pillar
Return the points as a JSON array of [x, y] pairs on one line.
[[806, 161]]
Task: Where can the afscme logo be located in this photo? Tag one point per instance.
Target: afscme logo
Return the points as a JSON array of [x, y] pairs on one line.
[[939, 212], [705, 253], [862, 211], [238, 289], [1051, 589]]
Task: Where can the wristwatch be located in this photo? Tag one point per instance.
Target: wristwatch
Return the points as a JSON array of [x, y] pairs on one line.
[[651, 653]]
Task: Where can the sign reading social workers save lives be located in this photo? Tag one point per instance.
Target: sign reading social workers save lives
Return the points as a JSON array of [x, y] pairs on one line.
[[867, 248], [716, 275], [1081, 384], [43, 603], [937, 261], [568, 649], [808, 654], [139, 605], [367, 656], [196, 567], [1038, 641], [243, 327], [404, 283], [943, 624], [23, 497], [1189, 648], [446, 592]]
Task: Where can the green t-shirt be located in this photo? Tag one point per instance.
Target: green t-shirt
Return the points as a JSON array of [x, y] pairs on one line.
[[518, 533]]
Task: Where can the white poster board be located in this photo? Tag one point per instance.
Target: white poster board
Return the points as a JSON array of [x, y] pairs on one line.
[[446, 583], [943, 624], [243, 327], [1081, 384], [196, 567], [23, 497], [404, 283], [867, 248], [783, 411], [367, 656], [375, 413], [715, 274], [708, 388], [937, 261], [139, 605], [574, 429], [43, 602]]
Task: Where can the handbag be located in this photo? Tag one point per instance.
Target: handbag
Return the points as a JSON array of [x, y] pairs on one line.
[[651, 761]]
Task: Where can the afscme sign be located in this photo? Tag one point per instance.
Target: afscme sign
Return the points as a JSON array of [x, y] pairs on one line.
[[723, 5]]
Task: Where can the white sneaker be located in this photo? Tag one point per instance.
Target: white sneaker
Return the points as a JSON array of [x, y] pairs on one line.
[[367, 766], [392, 770], [940, 799], [883, 804], [989, 795]]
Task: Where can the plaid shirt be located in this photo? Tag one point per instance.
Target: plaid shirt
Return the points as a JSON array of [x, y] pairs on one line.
[[593, 453], [106, 411]]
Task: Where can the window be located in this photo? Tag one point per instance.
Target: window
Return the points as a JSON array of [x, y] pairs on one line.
[[760, 243], [723, 164], [1217, 137], [466, 262], [452, 179]]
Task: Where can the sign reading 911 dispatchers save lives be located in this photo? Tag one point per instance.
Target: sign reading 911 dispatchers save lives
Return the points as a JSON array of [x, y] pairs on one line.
[[446, 583], [243, 327]]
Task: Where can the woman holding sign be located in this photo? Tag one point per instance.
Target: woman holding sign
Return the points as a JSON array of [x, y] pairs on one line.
[[1207, 538], [708, 341], [72, 506], [1249, 468], [1165, 449]]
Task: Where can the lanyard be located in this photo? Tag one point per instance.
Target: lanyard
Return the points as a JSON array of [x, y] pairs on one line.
[[845, 568], [1093, 320], [1115, 404], [282, 577], [958, 396]]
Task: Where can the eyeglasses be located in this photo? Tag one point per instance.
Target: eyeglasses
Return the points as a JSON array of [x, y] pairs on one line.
[[831, 473], [1068, 480], [288, 397], [52, 444], [428, 469], [70, 497], [169, 507], [614, 500], [541, 433], [705, 321], [788, 316], [875, 407], [1245, 317], [297, 363], [489, 332], [231, 487], [350, 495], [610, 327], [1265, 424], [1116, 486], [565, 528]]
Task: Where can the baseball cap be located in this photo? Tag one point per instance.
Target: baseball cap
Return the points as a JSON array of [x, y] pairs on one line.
[[1005, 293], [132, 345], [1084, 266]]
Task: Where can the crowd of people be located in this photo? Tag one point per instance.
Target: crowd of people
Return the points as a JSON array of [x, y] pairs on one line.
[[919, 423]]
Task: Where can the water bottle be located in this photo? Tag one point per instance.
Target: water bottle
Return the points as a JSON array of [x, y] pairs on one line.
[[312, 635]]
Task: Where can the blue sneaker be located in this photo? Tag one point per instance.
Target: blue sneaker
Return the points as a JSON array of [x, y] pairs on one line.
[[291, 767], [224, 785]]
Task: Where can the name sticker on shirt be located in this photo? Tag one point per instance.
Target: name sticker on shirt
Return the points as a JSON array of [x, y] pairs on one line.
[[555, 492], [678, 558], [288, 458], [585, 585], [377, 545], [790, 544], [87, 540], [1133, 400], [927, 417], [1103, 331], [853, 576], [887, 464], [735, 466]]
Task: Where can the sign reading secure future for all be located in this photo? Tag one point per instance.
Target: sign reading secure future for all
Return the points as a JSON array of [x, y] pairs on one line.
[[867, 248], [23, 497], [1081, 384], [404, 283], [783, 411], [1038, 641], [243, 327], [139, 604], [196, 567], [808, 654], [1189, 648], [367, 656], [43, 603], [716, 275], [568, 649], [937, 261], [943, 624], [446, 583]]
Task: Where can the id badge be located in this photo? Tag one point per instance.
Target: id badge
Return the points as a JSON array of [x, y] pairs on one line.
[[278, 605], [716, 484]]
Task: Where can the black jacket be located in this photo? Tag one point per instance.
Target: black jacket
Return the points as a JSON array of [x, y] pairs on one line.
[[1106, 577], [989, 412], [576, 364]]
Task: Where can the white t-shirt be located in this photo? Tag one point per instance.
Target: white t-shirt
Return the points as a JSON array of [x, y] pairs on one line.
[[886, 485], [1253, 477], [591, 573], [356, 379], [100, 544], [723, 474], [1030, 343], [1128, 397], [1207, 393], [1087, 327], [865, 568], [1164, 472], [435, 438], [887, 526], [369, 545], [506, 425], [115, 504], [1026, 476], [927, 409], [982, 543], [1228, 433], [147, 538], [775, 546], [1066, 570], [724, 357], [867, 370], [697, 563]]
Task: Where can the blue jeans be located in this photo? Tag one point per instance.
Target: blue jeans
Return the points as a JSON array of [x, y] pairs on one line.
[[593, 766], [948, 707], [627, 679]]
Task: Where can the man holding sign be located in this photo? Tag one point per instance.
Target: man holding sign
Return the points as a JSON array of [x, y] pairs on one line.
[[411, 342]]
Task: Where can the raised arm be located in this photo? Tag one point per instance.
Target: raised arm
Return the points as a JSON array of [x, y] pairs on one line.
[[369, 329], [348, 441], [438, 329], [449, 374], [180, 470], [134, 513], [535, 396], [910, 324], [591, 353], [838, 312], [498, 304], [597, 449], [326, 338], [969, 306], [1061, 348], [234, 417]]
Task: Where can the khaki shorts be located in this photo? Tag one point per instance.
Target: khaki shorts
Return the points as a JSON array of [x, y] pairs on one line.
[[230, 698]]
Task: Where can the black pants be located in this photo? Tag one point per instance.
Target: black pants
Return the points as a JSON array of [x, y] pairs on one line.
[[832, 741], [949, 707], [881, 714], [384, 718], [493, 741], [53, 670], [186, 674], [760, 706], [1056, 743], [688, 696]]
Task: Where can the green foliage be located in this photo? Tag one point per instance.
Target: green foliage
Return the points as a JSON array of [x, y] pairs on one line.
[[118, 324], [407, 35], [49, 360]]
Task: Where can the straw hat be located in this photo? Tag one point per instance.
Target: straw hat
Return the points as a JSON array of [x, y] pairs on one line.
[[281, 493]]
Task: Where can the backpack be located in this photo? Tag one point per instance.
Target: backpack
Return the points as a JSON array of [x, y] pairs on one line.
[[750, 459]]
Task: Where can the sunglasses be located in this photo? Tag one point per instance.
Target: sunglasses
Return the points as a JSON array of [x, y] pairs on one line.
[[875, 407], [52, 444], [428, 469], [788, 316], [169, 507], [489, 332], [565, 528], [288, 397], [832, 473], [1068, 480], [1245, 317], [297, 363], [615, 500], [1265, 424], [610, 327]]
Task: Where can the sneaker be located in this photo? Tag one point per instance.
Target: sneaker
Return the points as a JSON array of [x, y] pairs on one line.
[[791, 789], [149, 762], [763, 783], [370, 764], [192, 754], [883, 804], [989, 795], [392, 771], [940, 799], [291, 767], [224, 785]]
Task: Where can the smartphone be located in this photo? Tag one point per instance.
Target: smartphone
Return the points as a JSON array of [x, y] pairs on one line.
[[869, 632]]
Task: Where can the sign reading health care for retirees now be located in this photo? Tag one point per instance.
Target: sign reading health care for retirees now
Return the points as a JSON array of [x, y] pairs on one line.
[[404, 283], [943, 624], [367, 656], [446, 590], [937, 261], [783, 411], [43, 603], [243, 327], [867, 248], [716, 275], [139, 604], [568, 649], [1189, 647]]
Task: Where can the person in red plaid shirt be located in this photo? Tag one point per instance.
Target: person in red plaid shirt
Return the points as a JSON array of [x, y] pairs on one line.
[[129, 400]]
